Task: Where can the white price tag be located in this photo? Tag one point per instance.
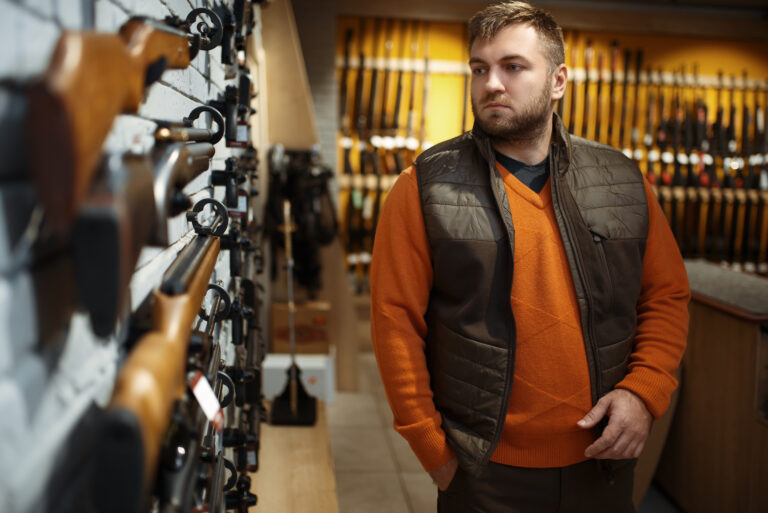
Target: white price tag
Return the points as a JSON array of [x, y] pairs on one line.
[[365, 258], [667, 157], [694, 158], [627, 152], [376, 141], [371, 182], [682, 159], [654, 155], [412, 143], [208, 401], [346, 143], [352, 259], [639, 154], [357, 181]]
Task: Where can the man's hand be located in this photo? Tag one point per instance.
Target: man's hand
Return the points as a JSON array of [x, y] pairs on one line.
[[629, 423], [444, 475]]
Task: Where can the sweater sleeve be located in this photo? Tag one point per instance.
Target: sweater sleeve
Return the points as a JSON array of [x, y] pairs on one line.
[[662, 316], [401, 280]]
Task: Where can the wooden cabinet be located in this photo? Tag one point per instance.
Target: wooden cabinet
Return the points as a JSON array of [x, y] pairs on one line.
[[716, 455]]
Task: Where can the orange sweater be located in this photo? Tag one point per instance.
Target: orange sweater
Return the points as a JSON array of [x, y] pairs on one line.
[[551, 389]]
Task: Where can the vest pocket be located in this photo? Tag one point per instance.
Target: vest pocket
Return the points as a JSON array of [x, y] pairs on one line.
[[608, 290]]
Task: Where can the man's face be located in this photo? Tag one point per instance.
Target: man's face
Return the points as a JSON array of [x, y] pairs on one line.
[[512, 85]]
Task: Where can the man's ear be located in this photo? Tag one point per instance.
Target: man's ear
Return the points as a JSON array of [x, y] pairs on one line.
[[559, 82]]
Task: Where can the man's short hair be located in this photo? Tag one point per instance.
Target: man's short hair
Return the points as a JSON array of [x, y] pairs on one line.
[[488, 22]]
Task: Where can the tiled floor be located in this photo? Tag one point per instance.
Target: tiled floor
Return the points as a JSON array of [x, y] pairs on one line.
[[376, 472]]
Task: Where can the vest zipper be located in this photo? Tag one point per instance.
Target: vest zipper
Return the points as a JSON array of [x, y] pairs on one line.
[[513, 336], [589, 331]]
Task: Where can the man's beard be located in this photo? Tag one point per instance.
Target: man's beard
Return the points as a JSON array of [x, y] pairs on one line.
[[526, 125]]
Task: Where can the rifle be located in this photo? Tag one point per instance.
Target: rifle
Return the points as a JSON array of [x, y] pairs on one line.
[[424, 143], [667, 157], [63, 110], [611, 89], [153, 377], [572, 108], [623, 122], [705, 168], [587, 66], [598, 98], [749, 198], [637, 153], [411, 143], [690, 208], [729, 182], [127, 208], [398, 141], [355, 201], [344, 124], [681, 159], [762, 249], [652, 156]]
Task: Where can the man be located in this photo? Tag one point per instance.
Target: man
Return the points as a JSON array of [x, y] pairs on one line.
[[529, 304]]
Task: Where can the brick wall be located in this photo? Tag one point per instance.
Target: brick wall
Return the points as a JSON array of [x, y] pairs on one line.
[[51, 368]]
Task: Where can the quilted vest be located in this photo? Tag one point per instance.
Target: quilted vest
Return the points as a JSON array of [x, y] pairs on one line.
[[601, 209]]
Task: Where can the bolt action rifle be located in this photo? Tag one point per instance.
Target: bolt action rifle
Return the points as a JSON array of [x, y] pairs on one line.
[[153, 378], [128, 207], [91, 79]]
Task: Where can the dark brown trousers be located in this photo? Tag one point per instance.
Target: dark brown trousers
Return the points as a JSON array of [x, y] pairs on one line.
[[588, 487]]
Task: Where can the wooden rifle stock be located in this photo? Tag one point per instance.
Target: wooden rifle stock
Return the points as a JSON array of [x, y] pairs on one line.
[[91, 79], [153, 377]]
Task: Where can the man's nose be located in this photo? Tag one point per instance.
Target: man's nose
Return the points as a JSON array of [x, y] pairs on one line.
[[493, 82]]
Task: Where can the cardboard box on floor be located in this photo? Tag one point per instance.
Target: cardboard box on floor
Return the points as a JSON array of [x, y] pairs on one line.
[[311, 321]]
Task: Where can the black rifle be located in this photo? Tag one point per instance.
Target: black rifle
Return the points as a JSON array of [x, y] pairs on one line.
[[678, 184], [612, 88], [344, 122], [635, 135], [127, 209], [624, 89], [666, 157], [587, 65], [598, 98], [651, 157]]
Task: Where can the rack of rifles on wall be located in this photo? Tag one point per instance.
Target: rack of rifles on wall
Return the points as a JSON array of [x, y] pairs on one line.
[[708, 166]]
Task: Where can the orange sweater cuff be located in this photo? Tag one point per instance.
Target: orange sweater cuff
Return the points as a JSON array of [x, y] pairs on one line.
[[427, 440], [654, 390]]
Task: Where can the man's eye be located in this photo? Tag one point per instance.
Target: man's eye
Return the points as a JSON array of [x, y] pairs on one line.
[[513, 67], [478, 71]]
